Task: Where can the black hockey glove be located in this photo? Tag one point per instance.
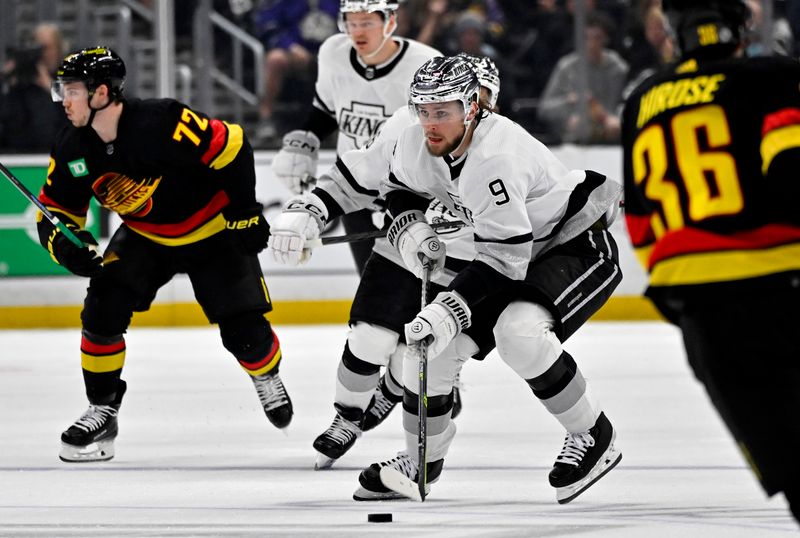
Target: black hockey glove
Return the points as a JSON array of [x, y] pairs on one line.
[[247, 228], [82, 261]]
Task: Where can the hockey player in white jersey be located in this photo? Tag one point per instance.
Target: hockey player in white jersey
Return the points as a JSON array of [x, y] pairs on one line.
[[388, 294], [362, 79], [545, 263]]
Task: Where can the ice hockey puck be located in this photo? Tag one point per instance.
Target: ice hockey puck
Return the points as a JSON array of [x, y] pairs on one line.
[[379, 518]]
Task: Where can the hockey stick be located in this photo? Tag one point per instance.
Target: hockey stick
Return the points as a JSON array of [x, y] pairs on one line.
[[372, 234], [391, 478], [46, 212]]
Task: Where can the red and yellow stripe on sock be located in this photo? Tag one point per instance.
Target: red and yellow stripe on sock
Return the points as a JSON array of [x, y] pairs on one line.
[[102, 358], [267, 363]]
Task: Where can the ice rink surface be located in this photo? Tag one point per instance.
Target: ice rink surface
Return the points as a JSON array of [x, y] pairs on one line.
[[196, 456]]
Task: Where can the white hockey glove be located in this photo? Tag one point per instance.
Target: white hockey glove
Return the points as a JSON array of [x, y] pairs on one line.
[[296, 163], [417, 243], [439, 322], [303, 218]]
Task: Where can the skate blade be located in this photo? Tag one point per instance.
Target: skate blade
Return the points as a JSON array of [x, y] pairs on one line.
[[400, 483], [609, 460], [362, 494], [98, 451], [323, 462]]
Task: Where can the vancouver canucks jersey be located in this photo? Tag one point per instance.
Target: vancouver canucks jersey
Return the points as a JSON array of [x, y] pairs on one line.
[[711, 154], [518, 197], [360, 97], [168, 174]]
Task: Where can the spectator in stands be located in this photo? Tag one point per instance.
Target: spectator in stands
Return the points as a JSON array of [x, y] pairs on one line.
[[421, 20], [469, 35], [655, 48], [561, 102], [29, 118], [292, 31], [782, 39]]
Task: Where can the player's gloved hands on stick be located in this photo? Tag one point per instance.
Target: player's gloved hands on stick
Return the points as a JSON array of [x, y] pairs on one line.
[[295, 165], [303, 218], [417, 243], [247, 228], [439, 322], [81, 261]]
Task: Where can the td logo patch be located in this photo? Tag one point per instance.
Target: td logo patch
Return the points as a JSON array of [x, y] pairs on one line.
[[78, 168]]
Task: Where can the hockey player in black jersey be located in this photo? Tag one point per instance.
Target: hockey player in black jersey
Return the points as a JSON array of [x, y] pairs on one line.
[[711, 153], [184, 186]]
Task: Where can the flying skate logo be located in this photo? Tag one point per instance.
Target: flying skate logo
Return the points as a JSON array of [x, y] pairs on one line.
[[362, 122], [125, 195]]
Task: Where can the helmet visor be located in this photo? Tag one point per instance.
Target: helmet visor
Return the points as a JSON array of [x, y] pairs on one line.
[[438, 113], [61, 90]]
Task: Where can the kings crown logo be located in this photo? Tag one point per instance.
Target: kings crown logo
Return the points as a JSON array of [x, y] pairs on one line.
[[362, 122]]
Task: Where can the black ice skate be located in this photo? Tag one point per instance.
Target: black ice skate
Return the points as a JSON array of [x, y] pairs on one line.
[[91, 437], [399, 473], [274, 399], [585, 458], [382, 404], [331, 444]]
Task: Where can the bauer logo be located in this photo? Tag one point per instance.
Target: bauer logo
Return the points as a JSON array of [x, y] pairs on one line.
[[362, 122], [78, 168]]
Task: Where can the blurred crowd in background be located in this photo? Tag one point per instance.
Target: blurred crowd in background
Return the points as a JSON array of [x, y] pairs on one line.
[[532, 42]]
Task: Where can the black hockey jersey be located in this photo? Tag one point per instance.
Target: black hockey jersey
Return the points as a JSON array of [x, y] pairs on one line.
[[711, 159], [168, 174]]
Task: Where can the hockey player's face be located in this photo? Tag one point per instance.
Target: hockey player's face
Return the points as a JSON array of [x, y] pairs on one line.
[[443, 125], [76, 103], [365, 31]]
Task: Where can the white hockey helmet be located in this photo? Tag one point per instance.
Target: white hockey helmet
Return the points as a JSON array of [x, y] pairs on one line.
[[368, 6], [442, 79], [488, 75], [387, 7]]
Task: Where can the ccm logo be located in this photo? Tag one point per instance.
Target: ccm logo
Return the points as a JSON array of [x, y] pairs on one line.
[[299, 144]]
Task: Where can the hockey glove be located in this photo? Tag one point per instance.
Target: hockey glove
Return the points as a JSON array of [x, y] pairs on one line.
[[81, 261], [417, 243], [303, 218], [296, 163], [439, 322], [247, 228]]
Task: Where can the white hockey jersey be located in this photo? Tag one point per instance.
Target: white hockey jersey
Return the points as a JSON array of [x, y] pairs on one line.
[[360, 97], [520, 199], [354, 183]]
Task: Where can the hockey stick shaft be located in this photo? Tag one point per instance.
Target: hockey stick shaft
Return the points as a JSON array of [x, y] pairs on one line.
[[46, 212], [422, 400], [372, 234]]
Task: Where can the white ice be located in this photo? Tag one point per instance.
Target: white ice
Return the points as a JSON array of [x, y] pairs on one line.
[[196, 456]]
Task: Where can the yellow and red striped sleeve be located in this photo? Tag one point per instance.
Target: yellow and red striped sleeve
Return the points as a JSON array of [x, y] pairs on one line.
[[780, 132]]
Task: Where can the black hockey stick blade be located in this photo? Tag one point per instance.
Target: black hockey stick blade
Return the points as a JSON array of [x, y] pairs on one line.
[[35, 201]]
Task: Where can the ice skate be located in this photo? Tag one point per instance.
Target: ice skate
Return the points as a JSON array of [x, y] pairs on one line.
[[382, 404], [399, 472], [332, 444], [91, 437], [274, 399], [584, 459]]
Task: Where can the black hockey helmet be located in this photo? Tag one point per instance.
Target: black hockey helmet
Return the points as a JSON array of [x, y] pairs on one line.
[[93, 66], [707, 29]]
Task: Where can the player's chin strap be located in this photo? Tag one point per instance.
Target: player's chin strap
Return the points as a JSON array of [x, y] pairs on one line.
[[467, 124], [96, 110], [387, 35]]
